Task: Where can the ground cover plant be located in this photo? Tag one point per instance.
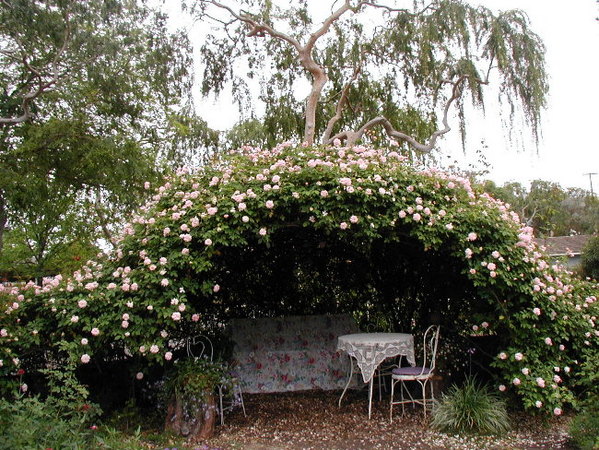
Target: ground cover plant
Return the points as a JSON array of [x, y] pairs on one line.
[[310, 229]]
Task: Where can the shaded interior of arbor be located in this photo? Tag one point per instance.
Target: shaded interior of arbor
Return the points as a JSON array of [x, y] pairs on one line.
[[390, 285]]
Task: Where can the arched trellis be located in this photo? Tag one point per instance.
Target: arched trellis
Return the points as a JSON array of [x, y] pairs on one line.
[[294, 230]]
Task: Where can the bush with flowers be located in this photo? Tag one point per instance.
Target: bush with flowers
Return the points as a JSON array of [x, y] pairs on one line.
[[297, 230]]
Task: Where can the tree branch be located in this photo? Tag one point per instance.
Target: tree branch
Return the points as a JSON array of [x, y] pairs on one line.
[[351, 137], [42, 85], [340, 105]]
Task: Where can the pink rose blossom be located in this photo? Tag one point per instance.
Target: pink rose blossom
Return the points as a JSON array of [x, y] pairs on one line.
[[416, 217], [540, 382], [168, 356], [262, 232], [212, 210], [82, 303], [85, 358], [518, 356], [502, 387], [557, 411], [185, 251], [164, 282], [538, 403], [208, 242], [195, 317], [216, 288], [343, 225], [472, 236], [84, 341], [139, 376], [536, 311], [502, 355], [491, 266], [154, 349], [354, 219], [270, 204], [176, 315], [125, 324], [516, 381], [449, 226], [402, 214], [95, 331], [74, 319], [548, 341], [324, 193]]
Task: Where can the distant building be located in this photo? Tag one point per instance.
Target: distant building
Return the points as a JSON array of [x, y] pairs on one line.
[[566, 249]]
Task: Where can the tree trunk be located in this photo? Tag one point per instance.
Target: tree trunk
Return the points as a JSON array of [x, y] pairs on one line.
[[195, 421]]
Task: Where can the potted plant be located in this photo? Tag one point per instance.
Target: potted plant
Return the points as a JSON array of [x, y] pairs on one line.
[[191, 391]]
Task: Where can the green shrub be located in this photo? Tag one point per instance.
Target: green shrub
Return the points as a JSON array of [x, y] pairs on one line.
[[584, 429], [590, 258], [472, 408], [29, 423]]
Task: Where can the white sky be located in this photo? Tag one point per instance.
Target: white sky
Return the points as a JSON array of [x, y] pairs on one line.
[[568, 148]]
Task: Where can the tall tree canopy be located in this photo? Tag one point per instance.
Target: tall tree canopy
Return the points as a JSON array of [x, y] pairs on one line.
[[96, 98], [374, 67]]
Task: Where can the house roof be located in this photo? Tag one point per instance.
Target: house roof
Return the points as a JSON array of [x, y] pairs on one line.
[[564, 245]]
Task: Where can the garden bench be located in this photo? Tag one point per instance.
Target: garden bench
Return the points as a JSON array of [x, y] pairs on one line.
[[290, 353]]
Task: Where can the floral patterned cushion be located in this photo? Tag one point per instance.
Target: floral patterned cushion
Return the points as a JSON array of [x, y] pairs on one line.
[[290, 353]]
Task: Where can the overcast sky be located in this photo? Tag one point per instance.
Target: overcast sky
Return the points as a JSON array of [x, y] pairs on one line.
[[568, 148]]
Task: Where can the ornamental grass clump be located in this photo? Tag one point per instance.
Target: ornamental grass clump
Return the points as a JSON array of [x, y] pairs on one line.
[[471, 408]]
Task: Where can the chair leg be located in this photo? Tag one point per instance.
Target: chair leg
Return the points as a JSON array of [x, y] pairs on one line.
[[391, 402], [220, 401], [242, 403], [424, 397]]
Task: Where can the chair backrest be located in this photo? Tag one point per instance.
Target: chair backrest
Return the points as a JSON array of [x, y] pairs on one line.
[[204, 349], [430, 342]]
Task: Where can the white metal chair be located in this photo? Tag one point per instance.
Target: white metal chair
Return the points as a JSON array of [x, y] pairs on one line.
[[422, 374], [206, 350]]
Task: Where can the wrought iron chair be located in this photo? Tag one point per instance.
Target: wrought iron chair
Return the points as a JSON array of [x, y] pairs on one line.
[[206, 350], [422, 374]]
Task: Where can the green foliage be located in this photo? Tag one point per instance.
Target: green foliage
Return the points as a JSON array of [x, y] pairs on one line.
[[192, 379], [471, 408], [584, 429], [32, 423], [590, 258], [117, 111]]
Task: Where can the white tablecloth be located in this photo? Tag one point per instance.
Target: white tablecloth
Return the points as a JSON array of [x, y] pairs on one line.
[[371, 349]]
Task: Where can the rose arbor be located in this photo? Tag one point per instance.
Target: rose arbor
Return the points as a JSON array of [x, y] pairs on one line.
[[300, 230]]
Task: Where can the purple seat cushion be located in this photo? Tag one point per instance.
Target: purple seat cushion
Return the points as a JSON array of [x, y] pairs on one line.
[[411, 370]]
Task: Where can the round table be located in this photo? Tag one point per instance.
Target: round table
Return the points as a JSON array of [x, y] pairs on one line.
[[370, 350]]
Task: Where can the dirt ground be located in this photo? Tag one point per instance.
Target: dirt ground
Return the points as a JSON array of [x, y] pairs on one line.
[[312, 420]]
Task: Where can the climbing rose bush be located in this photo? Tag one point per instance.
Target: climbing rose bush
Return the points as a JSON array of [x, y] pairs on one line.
[[163, 282]]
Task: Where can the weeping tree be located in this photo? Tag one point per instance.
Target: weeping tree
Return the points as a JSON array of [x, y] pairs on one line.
[[374, 68]]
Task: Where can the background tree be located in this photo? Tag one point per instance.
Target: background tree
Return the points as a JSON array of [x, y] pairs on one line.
[[590, 258], [397, 71], [96, 99], [550, 209]]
